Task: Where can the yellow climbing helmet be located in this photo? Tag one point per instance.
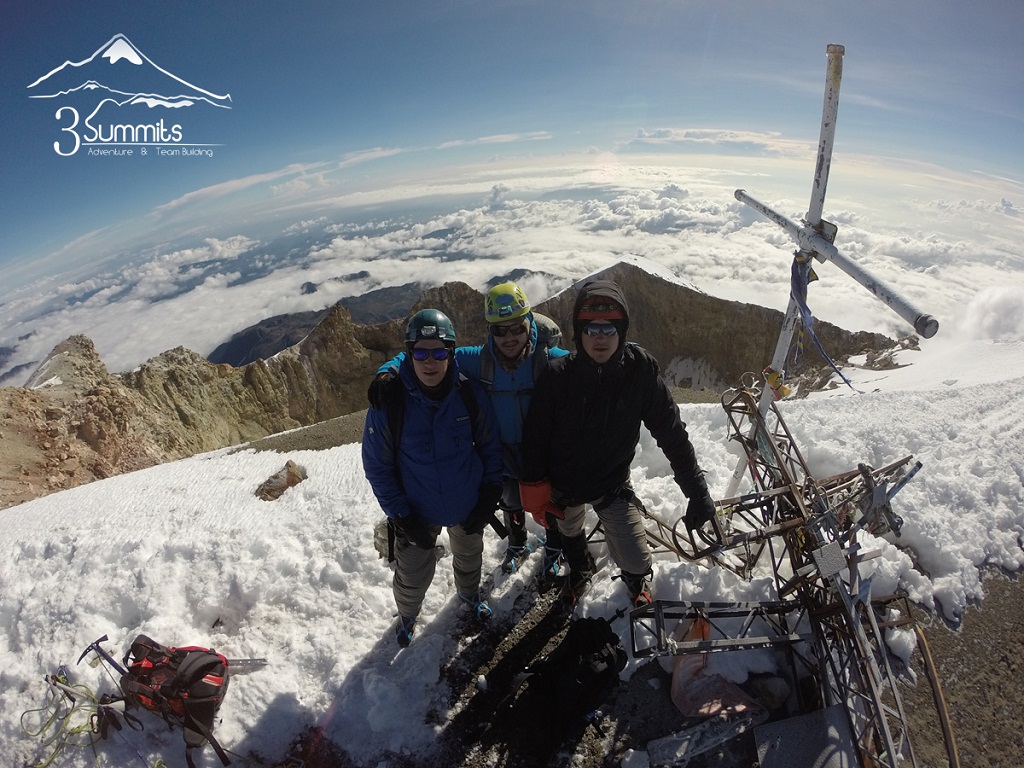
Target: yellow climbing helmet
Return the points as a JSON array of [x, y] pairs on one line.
[[505, 301]]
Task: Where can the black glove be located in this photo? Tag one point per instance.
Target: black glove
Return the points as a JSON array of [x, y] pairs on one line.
[[106, 714], [699, 510], [414, 531], [382, 389], [483, 512]]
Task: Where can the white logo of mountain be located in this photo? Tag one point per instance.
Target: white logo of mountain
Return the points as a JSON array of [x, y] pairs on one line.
[[120, 72]]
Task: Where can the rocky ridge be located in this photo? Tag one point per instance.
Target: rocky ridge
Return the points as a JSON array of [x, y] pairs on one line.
[[75, 421]]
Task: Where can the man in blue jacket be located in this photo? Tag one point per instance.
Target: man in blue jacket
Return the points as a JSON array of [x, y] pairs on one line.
[[444, 468], [520, 342]]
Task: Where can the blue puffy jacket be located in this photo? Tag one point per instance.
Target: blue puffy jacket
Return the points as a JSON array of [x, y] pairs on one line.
[[510, 391], [439, 470]]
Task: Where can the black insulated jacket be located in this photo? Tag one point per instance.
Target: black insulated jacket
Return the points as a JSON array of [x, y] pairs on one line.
[[584, 422]]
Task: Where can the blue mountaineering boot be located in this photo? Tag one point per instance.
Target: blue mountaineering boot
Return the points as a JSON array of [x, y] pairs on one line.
[[553, 562], [404, 629], [481, 610], [514, 557]]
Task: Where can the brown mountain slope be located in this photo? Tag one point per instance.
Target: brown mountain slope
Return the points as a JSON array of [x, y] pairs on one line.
[[76, 421]]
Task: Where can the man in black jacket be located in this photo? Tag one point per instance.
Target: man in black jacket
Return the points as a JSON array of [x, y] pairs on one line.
[[581, 435]]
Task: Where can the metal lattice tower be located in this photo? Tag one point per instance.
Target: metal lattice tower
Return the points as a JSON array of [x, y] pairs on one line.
[[804, 533]]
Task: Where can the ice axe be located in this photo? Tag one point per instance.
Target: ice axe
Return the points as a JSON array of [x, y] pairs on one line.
[[95, 645]]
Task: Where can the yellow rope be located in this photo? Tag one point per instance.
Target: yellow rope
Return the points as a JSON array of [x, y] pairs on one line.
[[62, 709]]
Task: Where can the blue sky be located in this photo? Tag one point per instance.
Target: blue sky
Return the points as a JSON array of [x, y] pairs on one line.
[[313, 82], [554, 137]]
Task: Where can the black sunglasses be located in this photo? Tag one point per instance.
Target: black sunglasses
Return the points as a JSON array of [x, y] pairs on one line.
[[441, 353], [503, 330]]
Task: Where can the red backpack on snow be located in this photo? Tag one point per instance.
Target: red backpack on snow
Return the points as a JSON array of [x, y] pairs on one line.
[[183, 685]]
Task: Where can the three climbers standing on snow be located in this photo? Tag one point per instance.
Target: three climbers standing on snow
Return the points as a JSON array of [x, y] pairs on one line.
[[569, 425]]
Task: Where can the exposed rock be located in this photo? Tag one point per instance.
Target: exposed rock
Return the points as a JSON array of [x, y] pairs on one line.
[[383, 304], [266, 338], [291, 475], [75, 422], [270, 336], [703, 342]]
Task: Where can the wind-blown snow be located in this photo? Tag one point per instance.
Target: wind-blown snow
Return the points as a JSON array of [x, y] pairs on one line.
[[186, 553]]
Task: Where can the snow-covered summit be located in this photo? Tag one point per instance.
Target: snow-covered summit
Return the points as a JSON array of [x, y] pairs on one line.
[[186, 553]]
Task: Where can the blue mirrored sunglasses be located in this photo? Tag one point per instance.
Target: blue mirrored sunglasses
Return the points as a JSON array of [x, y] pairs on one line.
[[441, 353], [600, 329]]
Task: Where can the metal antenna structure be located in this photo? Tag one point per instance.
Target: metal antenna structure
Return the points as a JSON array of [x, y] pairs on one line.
[[815, 238], [803, 534]]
